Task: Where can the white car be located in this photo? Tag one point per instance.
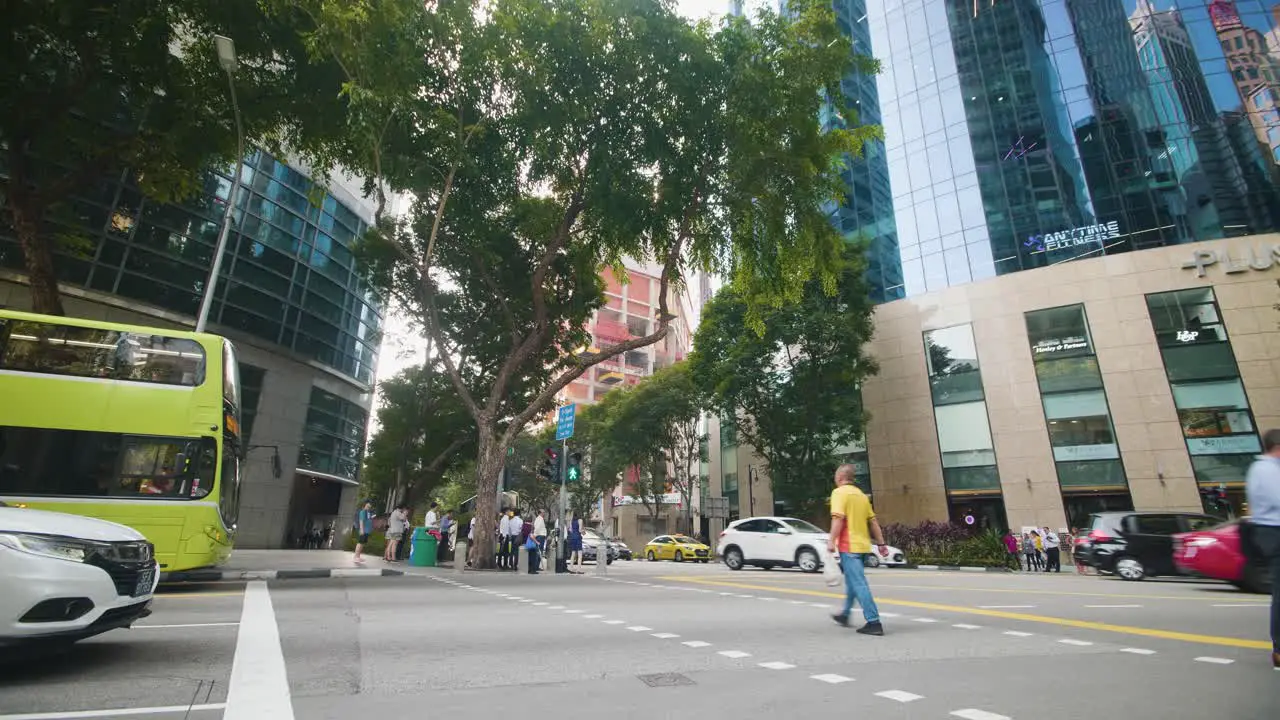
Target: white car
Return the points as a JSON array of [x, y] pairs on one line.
[[68, 577], [769, 542]]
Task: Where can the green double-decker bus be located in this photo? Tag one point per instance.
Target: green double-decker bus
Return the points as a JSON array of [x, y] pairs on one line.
[[136, 425]]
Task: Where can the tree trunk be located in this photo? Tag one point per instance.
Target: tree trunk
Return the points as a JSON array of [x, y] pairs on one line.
[[37, 256], [488, 465]]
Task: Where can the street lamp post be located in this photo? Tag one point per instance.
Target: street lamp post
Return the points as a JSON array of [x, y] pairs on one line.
[[227, 59]]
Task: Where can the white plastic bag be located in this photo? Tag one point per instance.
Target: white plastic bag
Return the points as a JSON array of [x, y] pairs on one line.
[[831, 570]]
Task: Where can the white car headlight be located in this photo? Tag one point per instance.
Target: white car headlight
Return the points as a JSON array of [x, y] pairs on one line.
[[58, 548]]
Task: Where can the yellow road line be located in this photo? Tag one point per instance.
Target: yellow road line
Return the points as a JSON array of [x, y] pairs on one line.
[[963, 588], [1065, 622]]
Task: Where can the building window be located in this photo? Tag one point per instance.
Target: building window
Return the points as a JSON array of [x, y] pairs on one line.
[[1086, 456], [964, 432], [1217, 422], [333, 439], [251, 380]]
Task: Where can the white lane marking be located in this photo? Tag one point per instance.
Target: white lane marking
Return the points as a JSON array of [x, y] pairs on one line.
[[1138, 651], [1077, 643], [744, 596], [1113, 606], [768, 599], [1242, 605], [966, 626], [592, 617], [889, 615], [1018, 633], [696, 644], [664, 636], [823, 606], [527, 600], [901, 696], [924, 620], [540, 604], [972, 714], [1005, 607], [726, 594], [798, 602], [639, 628], [574, 612], [613, 622], [775, 665], [185, 625], [167, 709], [555, 607], [735, 654], [831, 678], [1214, 660], [259, 688]]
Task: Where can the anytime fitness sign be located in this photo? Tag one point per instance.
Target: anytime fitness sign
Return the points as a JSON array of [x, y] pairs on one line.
[[1260, 258], [1063, 239]]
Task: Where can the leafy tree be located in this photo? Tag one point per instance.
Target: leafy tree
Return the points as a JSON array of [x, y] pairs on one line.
[[561, 136], [96, 86], [423, 431], [795, 388]]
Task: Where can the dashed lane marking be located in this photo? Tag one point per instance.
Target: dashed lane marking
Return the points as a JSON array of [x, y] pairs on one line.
[[1018, 633], [1114, 606], [592, 617], [614, 622], [639, 628], [1077, 643], [1214, 660], [1137, 651], [923, 620], [1025, 617], [696, 644], [664, 636], [735, 654], [775, 665], [831, 678], [972, 714], [966, 626], [1006, 607], [901, 696]]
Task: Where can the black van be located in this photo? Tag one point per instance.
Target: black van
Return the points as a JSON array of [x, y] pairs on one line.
[[1135, 545]]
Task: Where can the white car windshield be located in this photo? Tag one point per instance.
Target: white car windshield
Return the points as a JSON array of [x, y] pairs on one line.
[[803, 526]]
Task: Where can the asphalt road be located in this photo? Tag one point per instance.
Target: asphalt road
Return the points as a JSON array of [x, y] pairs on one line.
[[659, 640]]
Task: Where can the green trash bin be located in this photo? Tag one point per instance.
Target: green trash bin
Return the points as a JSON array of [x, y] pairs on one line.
[[422, 548]]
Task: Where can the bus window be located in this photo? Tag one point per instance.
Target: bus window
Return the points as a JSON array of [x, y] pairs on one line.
[[54, 349], [38, 461]]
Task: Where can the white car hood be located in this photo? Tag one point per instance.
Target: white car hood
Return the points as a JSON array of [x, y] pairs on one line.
[[28, 520]]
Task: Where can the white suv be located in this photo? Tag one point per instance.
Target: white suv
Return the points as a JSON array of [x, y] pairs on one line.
[[773, 542], [68, 577]]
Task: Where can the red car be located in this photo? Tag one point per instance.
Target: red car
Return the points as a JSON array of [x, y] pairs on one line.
[[1215, 553]]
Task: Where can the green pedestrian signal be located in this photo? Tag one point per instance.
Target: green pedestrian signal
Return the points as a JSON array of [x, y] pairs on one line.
[[573, 472]]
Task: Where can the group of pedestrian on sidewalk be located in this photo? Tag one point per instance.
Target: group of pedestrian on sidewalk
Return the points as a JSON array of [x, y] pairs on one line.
[[1043, 551], [514, 533]]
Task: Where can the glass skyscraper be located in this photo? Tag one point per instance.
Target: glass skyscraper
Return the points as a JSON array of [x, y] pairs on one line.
[[1026, 133]]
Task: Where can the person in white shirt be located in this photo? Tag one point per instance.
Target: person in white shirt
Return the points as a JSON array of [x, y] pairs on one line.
[[1052, 551], [433, 516], [397, 522], [504, 537], [540, 531], [514, 542], [471, 542]]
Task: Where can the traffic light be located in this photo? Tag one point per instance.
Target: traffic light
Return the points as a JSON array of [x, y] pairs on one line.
[[573, 473], [549, 470]]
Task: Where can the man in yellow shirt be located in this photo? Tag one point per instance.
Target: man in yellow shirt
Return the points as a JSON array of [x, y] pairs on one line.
[[853, 527]]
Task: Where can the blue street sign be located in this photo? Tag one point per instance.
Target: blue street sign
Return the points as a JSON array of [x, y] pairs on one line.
[[564, 422]]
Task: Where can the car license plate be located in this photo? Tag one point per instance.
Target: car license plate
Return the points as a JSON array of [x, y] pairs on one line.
[[145, 580]]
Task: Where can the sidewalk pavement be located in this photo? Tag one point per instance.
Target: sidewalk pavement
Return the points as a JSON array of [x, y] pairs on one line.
[[286, 564]]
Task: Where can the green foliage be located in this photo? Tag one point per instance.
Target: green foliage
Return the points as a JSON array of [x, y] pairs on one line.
[[547, 139], [423, 431], [936, 543], [93, 87], [793, 387]]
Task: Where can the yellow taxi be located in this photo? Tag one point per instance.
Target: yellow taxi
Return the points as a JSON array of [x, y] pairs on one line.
[[678, 548]]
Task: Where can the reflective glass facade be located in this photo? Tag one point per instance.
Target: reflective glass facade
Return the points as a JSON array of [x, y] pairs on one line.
[[288, 277], [333, 440], [1025, 133]]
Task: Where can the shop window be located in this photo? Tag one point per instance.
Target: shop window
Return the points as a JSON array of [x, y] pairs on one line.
[[964, 435], [1059, 332]]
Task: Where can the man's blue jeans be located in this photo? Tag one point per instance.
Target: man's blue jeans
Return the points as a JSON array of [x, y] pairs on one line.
[[856, 587]]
